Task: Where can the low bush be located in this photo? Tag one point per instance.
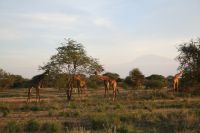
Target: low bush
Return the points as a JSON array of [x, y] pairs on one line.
[[14, 127], [51, 127], [126, 129], [4, 109], [101, 121], [69, 114], [32, 107], [32, 125]]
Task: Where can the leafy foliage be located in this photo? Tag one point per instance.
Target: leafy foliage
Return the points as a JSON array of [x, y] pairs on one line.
[[189, 59], [71, 59], [135, 78], [8, 80], [155, 81]]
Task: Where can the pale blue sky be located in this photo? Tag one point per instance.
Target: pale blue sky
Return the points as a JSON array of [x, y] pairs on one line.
[[115, 31]]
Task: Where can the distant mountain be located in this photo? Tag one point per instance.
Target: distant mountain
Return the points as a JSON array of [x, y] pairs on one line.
[[148, 64]]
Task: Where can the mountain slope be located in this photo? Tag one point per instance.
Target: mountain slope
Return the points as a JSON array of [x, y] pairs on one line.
[[148, 64]]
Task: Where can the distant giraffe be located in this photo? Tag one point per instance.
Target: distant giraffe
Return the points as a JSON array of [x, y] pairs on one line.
[[81, 84], [176, 80], [107, 83], [36, 82]]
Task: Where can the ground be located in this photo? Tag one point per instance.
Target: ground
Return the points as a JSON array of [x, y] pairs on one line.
[[132, 111]]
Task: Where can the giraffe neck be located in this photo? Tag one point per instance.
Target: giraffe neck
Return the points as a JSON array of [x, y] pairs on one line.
[[38, 79]]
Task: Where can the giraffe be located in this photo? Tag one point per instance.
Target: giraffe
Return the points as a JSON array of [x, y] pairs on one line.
[[107, 82], [176, 80], [36, 82], [81, 84]]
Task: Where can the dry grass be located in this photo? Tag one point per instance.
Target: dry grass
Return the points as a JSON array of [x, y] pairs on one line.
[[133, 111]]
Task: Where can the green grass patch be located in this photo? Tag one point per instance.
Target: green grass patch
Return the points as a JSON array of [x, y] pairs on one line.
[[14, 127], [33, 125], [4, 109], [51, 127]]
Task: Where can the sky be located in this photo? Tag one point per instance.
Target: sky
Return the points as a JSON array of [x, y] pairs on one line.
[[114, 31]]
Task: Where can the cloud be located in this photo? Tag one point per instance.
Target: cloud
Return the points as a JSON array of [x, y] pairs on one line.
[[37, 20], [21, 26], [103, 22], [9, 34], [51, 18]]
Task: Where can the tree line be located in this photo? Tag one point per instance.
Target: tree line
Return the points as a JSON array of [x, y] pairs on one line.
[[71, 58]]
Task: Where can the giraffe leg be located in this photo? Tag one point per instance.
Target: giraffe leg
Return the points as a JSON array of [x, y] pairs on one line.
[[114, 90], [29, 95], [114, 93], [177, 86], [39, 94], [105, 86], [79, 91], [36, 89], [105, 92], [174, 86], [79, 87], [108, 86]]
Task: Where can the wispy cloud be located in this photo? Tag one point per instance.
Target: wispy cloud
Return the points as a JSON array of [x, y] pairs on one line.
[[49, 18], [10, 34], [103, 22]]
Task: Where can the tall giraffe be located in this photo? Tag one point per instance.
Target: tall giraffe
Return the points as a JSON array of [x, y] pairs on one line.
[[107, 83], [176, 80], [81, 84], [36, 82]]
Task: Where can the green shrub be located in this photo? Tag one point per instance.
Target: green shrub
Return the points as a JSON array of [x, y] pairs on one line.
[[69, 114], [125, 118], [28, 107], [119, 106], [100, 121], [4, 109], [5, 113], [33, 125], [51, 127], [123, 85], [51, 113], [126, 129], [13, 127], [154, 84], [72, 105], [92, 84]]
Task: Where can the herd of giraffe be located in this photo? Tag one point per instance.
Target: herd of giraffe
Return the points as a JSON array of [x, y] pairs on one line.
[[37, 81]]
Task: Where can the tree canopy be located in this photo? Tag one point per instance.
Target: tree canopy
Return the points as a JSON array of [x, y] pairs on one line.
[[189, 58], [135, 78], [8, 80], [71, 59], [155, 81]]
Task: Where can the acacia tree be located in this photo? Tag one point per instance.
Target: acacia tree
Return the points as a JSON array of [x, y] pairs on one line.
[[189, 59], [136, 78], [155, 81], [71, 59]]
